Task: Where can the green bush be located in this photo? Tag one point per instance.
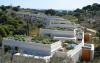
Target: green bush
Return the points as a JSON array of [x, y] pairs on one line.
[[20, 37]]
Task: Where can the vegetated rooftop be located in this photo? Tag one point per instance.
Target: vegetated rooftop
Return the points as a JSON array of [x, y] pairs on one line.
[[36, 39], [63, 29], [43, 39], [69, 44]]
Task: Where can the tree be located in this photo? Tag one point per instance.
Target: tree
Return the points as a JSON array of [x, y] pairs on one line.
[[71, 18], [9, 7], [2, 31], [10, 24], [16, 8], [50, 12], [64, 12], [3, 8], [89, 8], [96, 6], [2, 17]]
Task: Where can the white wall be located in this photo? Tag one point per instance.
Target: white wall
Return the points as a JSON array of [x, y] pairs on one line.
[[61, 25], [76, 52], [32, 47], [58, 33], [56, 46], [65, 38]]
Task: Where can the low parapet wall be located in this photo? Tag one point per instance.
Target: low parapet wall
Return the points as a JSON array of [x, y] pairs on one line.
[[76, 52]]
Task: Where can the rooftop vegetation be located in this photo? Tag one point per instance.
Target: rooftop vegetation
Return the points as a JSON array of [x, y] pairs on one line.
[[59, 28], [43, 39], [20, 37], [69, 42], [37, 39]]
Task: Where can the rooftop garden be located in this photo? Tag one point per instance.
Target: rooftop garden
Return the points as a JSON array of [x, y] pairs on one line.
[[79, 32], [36, 39], [59, 28], [20, 37], [69, 44], [43, 39]]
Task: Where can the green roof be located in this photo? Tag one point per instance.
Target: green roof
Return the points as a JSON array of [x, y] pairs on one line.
[[37, 39], [43, 39]]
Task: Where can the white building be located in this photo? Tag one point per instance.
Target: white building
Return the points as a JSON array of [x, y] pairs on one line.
[[58, 34], [28, 17], [69, 32], [33, 48], [45, 50]]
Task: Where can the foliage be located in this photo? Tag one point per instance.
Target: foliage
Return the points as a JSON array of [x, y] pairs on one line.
[[71, 18], [16, 8], [3, 8], [39, 23], [20, 37], [98, 34], [10, 24], [89, 15], [69, 42], [3, 32], [43, 39], [50, 12]]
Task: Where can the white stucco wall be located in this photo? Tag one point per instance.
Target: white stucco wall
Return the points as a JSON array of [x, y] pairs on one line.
[[65, 38], [56, 46], [75, 53], [58, 33], [25, 58], [32, 47]]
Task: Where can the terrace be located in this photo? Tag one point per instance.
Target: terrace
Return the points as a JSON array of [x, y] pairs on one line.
[[36, 39], [63, 29], [58, 33], [69, 26], [69, 44], [37, 46]]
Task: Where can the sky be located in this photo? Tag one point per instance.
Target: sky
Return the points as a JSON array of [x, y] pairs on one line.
[[49, 4]]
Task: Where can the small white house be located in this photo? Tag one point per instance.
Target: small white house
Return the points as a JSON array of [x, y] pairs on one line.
[[33, 48], [72, 32]]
